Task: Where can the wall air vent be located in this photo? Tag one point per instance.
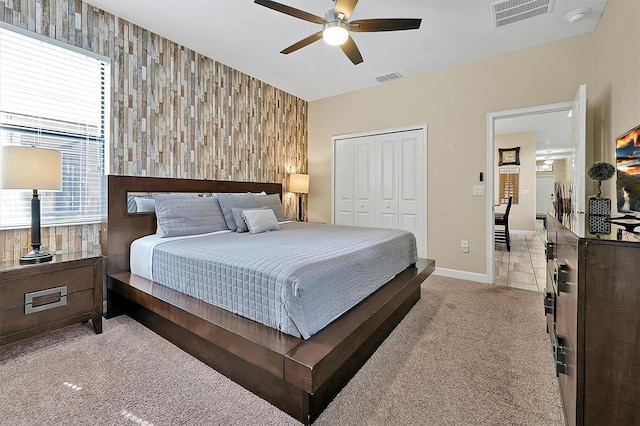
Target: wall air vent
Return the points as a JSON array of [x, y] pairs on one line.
[[388, 77], [510, 11]]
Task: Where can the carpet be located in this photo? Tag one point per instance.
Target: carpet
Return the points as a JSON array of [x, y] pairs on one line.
[[466, 354]]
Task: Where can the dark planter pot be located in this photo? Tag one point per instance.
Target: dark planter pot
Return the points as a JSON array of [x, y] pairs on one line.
[[599, 216]]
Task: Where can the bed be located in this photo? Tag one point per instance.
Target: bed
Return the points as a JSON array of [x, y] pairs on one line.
[[298, 374]]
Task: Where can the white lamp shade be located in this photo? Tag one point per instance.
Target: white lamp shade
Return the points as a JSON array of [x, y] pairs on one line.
[[27, 167], [299, 183]]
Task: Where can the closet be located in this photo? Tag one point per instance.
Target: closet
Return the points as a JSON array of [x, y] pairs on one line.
[[379, 180]]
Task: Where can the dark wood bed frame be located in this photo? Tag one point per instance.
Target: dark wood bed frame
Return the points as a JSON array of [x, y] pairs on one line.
[[300, 377]]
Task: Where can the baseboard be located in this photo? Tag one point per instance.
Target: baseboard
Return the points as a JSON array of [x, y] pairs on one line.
[[462, 275]]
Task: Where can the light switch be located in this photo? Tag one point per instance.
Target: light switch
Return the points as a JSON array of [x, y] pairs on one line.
[[478, 189]]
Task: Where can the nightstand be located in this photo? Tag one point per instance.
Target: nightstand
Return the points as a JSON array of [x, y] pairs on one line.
[[38, 298]]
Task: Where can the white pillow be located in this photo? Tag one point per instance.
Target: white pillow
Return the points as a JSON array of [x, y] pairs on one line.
[[259, 221], [145, 204]]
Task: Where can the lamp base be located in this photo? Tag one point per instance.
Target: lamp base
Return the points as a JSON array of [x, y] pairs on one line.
[[300, 218], [37, 255]]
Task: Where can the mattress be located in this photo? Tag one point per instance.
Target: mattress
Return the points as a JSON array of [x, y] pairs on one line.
[[297, 279]]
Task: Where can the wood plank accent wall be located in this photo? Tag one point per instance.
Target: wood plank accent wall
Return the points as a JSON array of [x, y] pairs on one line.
[[174, 112]]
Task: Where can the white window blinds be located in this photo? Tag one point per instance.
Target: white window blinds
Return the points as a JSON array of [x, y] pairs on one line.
[[54, 97]]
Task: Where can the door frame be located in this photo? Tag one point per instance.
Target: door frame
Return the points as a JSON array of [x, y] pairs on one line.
[[491, 169]]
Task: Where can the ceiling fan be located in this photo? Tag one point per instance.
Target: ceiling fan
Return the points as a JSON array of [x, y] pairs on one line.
[[336, 26]]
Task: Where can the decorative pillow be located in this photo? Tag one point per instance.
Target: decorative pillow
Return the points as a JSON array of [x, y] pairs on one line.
[[259, 221], [228, 201], [273, 201], [144, 204], [188, 215], [239, 219]]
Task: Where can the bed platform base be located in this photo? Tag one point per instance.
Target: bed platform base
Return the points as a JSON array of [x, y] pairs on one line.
[[298, 376]]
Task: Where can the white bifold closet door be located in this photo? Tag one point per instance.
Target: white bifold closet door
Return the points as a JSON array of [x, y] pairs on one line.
[[380, 181]]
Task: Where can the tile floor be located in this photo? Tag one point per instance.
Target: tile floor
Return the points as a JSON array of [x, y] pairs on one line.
[[524, 266]]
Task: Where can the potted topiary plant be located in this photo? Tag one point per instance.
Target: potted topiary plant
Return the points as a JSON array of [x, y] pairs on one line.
[[599, 206], [599, 171]]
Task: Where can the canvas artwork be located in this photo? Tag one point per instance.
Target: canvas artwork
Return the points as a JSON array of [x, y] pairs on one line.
[[628, 171]]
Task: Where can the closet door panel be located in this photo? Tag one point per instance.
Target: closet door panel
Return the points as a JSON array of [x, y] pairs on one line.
[[343, 191], [380, 181], [409, 222], [387, 185], [364, 181], [412, 186]]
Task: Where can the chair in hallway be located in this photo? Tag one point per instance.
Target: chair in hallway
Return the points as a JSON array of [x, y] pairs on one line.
[[502, 219]]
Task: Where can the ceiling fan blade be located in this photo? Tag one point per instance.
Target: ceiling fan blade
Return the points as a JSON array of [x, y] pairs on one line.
[[288, 10], [345, 7], [302, 43], [351, 50], [375, 25]]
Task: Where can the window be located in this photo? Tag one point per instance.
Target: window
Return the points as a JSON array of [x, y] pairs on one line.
[[509, 184], [55, 96]]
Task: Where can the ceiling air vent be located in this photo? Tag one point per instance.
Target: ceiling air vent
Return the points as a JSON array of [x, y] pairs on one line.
[[511, 11], [388, 77]]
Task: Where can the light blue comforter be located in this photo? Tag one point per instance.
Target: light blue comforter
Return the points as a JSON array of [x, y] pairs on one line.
[[297, 279]]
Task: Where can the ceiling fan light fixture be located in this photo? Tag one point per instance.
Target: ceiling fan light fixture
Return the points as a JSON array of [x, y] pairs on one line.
[[548, 159], [335, 33]]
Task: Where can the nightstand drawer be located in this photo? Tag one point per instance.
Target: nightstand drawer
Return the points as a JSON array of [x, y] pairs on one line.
[[13, 291], [14, 319], [35, 299]]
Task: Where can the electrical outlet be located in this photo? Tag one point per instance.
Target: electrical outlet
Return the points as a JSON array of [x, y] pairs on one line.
[[464, 246]]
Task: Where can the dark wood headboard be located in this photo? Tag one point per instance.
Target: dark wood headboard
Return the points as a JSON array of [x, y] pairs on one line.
[[123, 227]]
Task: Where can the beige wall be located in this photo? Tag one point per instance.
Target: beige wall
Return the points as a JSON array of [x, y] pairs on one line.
[[522, 216], [615, 96], [454, 103]]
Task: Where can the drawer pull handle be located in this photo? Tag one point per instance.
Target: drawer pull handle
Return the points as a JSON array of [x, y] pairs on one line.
[[41, 300], [550, 251], [560, 355], [563, 273], [548, 303]]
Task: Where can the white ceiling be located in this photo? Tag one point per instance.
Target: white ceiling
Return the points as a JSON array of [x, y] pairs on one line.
[[249, 37]]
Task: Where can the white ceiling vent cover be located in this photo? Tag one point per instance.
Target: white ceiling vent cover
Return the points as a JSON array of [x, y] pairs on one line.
[[511, 11], [388, 77]]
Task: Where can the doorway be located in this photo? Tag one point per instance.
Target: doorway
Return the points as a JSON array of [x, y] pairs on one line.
[[544, 194], [576, 111]]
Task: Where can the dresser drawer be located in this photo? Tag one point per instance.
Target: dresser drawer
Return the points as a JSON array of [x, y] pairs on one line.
[[12, 291], [14, 319]]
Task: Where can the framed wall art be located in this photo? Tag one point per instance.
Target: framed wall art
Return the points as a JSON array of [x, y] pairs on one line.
[[509, 156]]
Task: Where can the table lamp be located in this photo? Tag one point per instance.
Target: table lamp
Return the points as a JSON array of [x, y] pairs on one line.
[[31, 168], [299, 184]]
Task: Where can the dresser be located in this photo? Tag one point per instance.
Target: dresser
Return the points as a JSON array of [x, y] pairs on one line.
[[592, 307], [39, 298]]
